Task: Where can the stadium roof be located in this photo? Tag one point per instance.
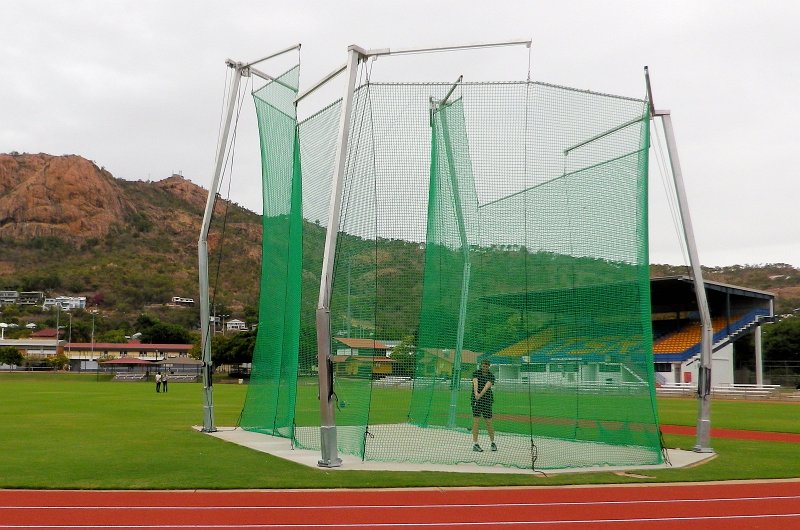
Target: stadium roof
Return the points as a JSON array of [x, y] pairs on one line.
[[676, 293], [668, 293], [564, 299]]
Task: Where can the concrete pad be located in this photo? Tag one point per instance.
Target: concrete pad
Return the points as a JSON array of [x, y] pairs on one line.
[[282, 448]]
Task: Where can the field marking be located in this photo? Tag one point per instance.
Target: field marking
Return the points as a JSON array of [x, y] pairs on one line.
[[431, 525], [411, 506]]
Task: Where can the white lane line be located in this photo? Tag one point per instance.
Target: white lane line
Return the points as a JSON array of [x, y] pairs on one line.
[[430, 525], [413, 506]]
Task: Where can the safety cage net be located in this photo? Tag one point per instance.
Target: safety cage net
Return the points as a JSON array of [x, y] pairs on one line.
[[504, 221]]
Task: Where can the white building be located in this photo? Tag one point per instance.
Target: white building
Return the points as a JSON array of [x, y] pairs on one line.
[[8, 297], [235, 325], [66, 302]]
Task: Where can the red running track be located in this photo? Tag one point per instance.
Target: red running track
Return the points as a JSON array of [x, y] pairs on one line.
[[752, 505]]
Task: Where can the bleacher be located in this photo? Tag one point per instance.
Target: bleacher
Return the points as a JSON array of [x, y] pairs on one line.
[[128, 377], [173, 378], [725, 391], [685, 338], [684, 343], [182, 378]]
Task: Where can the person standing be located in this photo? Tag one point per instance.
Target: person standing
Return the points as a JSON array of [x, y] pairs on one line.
[[158, 382], [482, 399], [164, 381]]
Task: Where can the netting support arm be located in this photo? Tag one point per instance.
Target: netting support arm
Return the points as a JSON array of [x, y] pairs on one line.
[[240, 70], [703, 441], [328, 437], [202, 255]]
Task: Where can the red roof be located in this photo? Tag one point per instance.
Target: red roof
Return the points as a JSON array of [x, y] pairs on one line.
[[363, 343], [46, 333], [360, 359], [127, 347]]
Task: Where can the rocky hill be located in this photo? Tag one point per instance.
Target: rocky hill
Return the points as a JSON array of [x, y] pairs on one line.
[[68, 226], [66, 197]]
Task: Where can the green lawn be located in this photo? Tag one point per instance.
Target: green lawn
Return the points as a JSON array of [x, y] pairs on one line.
[[75, 432]]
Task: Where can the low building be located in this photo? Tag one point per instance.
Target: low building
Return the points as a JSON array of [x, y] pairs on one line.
[[86, 355], [235, 325], [8, 297], [182, 301], [30, 298], [46, 333], [369, 347], [65, 302], [36, 348]]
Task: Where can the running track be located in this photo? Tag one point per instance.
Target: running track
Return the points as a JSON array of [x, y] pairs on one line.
[[745, 505]]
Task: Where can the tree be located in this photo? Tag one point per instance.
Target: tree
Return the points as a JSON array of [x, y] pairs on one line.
[[161, 333], [116, 336], [59, 362], [404, 356], [11, 356], [782, 340]]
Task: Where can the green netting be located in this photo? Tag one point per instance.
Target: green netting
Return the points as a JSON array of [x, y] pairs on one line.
[[508, 223], [270, 402]]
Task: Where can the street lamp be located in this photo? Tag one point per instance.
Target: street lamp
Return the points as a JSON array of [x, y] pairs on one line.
[[69, 337], [94, 312]]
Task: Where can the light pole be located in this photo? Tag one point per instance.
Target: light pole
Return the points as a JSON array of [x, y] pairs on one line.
[[69, 337], [94, 312]]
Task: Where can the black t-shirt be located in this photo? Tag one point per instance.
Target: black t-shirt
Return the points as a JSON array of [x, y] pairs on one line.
[[482, 378]]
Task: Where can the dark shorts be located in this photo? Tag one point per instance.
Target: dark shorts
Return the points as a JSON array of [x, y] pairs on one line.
[[482, 408]]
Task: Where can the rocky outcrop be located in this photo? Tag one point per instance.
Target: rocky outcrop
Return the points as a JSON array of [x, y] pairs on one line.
[[67, 197]]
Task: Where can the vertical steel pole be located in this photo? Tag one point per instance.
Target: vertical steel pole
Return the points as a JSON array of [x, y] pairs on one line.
[[759, 357], [202, 255], [328, 441], [702, 444], [455, 383]]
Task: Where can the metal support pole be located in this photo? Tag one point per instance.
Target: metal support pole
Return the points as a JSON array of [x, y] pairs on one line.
[[759, 357], [702, 444], [455, 384], [202, 255], [328, 440]]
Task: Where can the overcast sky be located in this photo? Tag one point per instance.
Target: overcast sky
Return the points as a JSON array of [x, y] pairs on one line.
[[137, 87]]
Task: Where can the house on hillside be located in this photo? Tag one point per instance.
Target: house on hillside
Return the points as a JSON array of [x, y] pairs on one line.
[[65, 303], [30, 298], [235, 325], [47, 333], [8, 297]]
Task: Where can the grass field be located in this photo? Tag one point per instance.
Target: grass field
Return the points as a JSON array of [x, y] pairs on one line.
[[72, 431]]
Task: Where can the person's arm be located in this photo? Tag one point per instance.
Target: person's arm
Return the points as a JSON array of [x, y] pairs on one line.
[[475, 388], [486, 388]]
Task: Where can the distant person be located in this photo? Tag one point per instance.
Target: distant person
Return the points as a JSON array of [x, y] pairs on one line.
[[482, 398], [164, 381], [158, 382]]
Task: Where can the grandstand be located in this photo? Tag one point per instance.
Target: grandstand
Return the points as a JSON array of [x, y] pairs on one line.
[[735, 311], [546, 358]]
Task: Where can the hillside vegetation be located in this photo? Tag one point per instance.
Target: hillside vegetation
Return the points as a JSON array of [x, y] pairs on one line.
[[68, 227]]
